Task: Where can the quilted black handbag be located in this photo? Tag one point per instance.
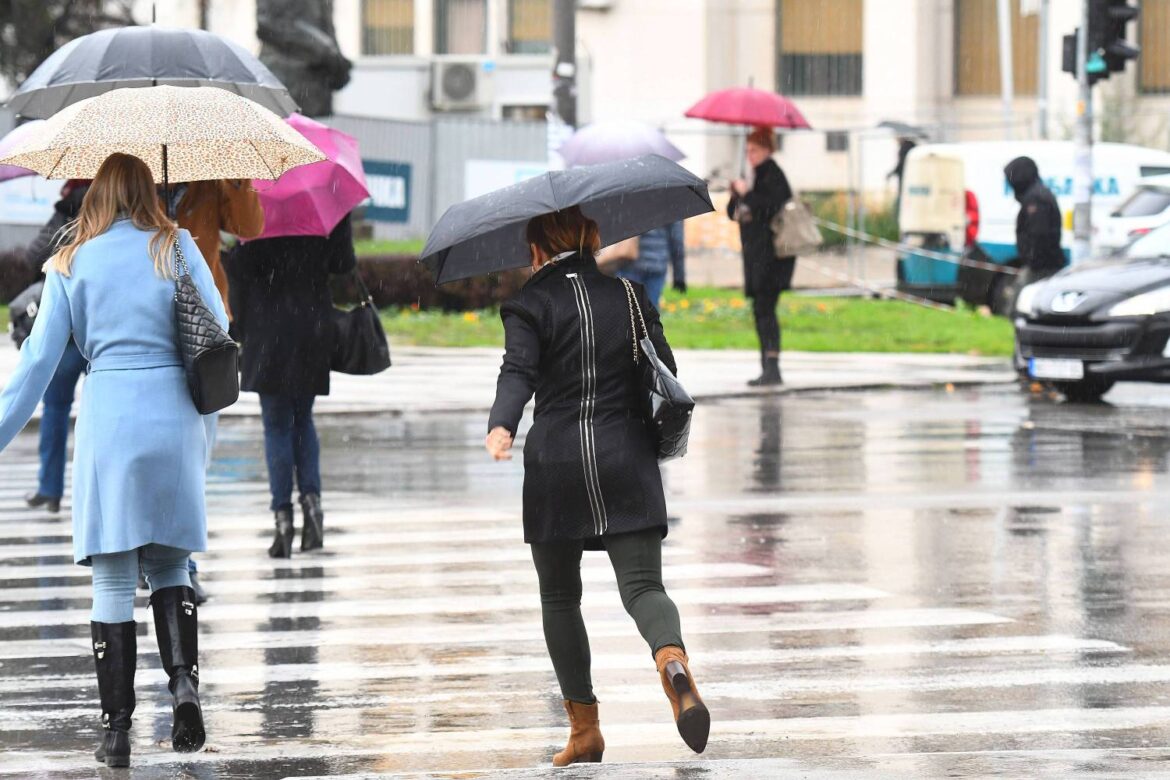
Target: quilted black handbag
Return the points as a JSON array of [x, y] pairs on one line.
[[668, 406], [210, 356], [359, 342]]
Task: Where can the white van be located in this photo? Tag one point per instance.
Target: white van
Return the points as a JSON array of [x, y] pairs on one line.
[[1148, 207], [984, 220]]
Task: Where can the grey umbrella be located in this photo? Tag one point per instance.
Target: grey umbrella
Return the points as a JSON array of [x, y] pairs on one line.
[[144, 57], [626, 198], [616, 140]]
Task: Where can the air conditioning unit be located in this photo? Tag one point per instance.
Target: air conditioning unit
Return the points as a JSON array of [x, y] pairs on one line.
[[461, 84]]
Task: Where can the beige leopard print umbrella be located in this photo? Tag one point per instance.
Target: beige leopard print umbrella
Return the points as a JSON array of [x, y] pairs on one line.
[[206, 132]]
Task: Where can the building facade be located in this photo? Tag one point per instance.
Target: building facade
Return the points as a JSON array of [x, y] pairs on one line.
[[848, 64]]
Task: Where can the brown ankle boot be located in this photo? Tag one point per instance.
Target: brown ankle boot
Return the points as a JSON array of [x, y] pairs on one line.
[[690, 714], [585, 741]]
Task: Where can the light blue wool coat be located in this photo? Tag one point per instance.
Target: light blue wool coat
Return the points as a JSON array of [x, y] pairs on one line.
[[139, 461]]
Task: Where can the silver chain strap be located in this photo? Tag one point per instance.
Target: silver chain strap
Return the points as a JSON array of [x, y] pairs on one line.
[[634, 305], [181, 268]]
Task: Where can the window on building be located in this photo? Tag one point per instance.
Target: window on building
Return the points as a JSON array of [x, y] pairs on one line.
[[977, 48], [461, 26], [820, 47], [1154, 38], [529, 26], [387, 27], [836, 141]]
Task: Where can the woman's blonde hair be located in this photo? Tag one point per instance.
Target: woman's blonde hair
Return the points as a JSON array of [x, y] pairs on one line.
[[568, 230], [123, 187]]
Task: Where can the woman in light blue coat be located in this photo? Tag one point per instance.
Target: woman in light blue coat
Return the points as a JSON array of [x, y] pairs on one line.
[[139, 458]]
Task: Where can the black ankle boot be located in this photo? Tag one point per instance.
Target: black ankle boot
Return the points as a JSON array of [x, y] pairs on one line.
[[313, 530], [115, 656], [282, 544], [176, 623], [771, 375], [34, 500]]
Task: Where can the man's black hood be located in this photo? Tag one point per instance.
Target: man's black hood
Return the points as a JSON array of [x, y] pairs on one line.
[[1021, 174]]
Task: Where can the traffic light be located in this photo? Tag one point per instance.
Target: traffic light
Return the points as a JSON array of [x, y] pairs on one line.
[[1108, 20]]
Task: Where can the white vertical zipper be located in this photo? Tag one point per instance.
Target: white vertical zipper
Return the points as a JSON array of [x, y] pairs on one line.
[[588, 403]]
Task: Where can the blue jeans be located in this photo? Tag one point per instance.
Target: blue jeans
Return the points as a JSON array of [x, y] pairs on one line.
[[654, 283], [290, 447], [58, 402], [115, 576]]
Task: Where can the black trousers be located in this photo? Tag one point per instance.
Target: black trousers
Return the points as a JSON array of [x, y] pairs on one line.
[[637, 562], [768, 280]]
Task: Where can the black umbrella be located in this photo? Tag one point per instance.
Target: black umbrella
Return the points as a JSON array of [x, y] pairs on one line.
[[626, 198], [144, 57]]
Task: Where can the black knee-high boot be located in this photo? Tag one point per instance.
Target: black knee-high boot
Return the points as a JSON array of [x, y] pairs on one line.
[[115, 656], [176, 623]]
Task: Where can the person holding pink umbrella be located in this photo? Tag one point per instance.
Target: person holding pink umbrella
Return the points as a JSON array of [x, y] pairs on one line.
[[283, 313]]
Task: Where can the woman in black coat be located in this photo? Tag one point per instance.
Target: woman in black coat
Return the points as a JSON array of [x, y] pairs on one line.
[[765, 275], [283, 310], [591, 477]]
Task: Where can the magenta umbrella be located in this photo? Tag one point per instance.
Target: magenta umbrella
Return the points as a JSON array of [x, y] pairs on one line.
[[14, 139], [311, 199]]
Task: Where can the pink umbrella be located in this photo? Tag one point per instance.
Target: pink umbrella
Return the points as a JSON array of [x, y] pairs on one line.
[[9, 143], [748, 106], [310, 200]]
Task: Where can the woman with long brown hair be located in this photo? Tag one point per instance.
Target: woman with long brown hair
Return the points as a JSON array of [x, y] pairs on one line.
[[140, 456], [591, 477]]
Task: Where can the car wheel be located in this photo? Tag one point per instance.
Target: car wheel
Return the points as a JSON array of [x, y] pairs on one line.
[[1086, 391]]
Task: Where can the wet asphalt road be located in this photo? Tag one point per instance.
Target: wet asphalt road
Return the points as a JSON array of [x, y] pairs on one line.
[[872, 584]]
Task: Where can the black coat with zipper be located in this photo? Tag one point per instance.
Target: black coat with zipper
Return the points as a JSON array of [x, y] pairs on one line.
[[590, 463], [1038, 223], [284, 310], [763, 272]]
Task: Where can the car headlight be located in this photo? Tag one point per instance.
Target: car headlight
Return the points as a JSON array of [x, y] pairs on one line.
[[1143, 305], [1027, 297]]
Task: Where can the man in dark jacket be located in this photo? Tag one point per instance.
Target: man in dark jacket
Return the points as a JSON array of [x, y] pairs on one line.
[[58, 400], [765, 275], [1037, 224]]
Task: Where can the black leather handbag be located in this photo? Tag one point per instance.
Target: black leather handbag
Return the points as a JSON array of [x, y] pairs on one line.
[[210, 356], [668, 406], [359, 342], [23, 312]]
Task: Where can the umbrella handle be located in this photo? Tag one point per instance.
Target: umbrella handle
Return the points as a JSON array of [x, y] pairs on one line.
[[166, 185]]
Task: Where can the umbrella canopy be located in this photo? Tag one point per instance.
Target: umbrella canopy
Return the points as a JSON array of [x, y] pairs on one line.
[[603, 142], [749, 106], [627, 198], [182, 133], [312, 199], [15, 138], [145, 57]]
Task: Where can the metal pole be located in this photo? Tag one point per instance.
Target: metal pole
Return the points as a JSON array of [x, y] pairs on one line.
[[1042, 73], [849, 210], [565, 70], [858, 270], [1083, 156], [1006, 84]]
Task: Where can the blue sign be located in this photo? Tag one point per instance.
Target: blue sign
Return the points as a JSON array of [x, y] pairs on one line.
[[1102, 185], [389, 185]]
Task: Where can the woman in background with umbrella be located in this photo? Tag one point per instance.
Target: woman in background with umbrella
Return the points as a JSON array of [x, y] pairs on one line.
[[591, 475], [283, 313], [139, 463], [765, 275], [284, 316]]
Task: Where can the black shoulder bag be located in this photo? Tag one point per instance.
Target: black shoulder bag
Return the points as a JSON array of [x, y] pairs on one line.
[[210, 356], [359, 342], [668, 406]]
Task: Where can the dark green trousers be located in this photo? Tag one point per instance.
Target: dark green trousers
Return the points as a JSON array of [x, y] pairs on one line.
[[637, 562]]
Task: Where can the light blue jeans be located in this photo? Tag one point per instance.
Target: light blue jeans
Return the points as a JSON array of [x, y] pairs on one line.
[[115, 576]]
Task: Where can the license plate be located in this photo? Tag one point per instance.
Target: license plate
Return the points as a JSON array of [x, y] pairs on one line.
[[1055, 368]]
